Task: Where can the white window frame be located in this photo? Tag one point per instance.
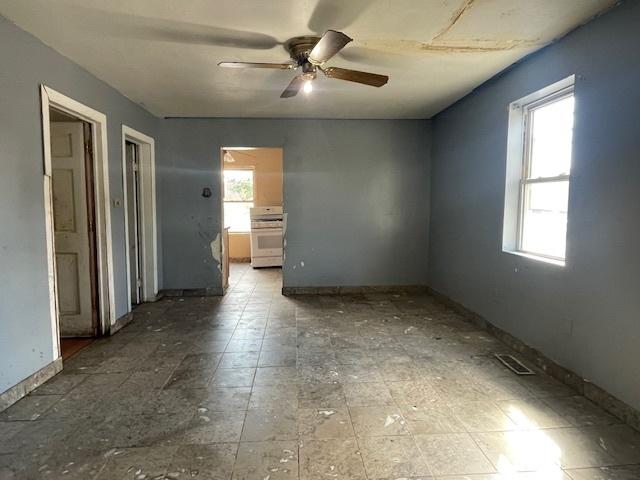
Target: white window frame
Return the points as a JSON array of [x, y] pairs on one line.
[[253, 194], [519, 165]]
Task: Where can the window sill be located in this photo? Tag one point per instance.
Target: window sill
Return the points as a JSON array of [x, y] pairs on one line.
[[538, 258]]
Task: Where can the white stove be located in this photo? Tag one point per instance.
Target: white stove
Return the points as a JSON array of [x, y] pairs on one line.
[[266, 236]]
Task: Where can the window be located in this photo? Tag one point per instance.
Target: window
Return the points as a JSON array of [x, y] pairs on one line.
[[540, 156], [238, 199]]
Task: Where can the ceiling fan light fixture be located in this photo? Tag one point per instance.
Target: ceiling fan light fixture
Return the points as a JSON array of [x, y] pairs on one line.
[[308, 87], [228, 158]]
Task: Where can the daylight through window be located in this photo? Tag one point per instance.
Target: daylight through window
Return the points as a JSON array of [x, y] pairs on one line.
[[544, 184], [238, 199]]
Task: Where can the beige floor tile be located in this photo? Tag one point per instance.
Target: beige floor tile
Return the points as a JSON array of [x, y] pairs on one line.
[[219, 399], [338, 459], [204, 462], [392, 457], [453, 454], [378, 421], [270, 424], [482, 417], [214, 427], [326, 423], [143, 462], [275, 460], [520, 450], [580, 412], [367, 394], [233, 377], [431, 418], [274, 396], [417, 394], [321, 395], [631, 472], [532, 413]]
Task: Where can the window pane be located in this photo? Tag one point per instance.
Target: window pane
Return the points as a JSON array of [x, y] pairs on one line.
[[236, 216], [238, 185], [551, 138], [544, 223]]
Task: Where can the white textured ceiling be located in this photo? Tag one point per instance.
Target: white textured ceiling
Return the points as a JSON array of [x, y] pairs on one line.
[[163, 53]]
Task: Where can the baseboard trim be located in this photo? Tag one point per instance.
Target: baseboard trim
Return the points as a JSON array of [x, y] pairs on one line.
[[353, 290], [193, 292], [29, 384], [120, 323], [590, 390], [240, 260]]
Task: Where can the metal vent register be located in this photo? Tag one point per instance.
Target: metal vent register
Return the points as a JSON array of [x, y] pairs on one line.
[[513, 364]]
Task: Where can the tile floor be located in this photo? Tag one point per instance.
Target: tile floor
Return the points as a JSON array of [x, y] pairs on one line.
[[258, 386]]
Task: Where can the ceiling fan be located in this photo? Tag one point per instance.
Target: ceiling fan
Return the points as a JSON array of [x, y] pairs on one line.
[[228, 156], [310, 54]]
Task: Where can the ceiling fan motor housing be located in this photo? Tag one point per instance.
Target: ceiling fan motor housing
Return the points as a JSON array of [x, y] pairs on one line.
[[299, 48]]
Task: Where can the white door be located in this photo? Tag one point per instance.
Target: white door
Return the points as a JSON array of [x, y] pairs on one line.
[[71, 230]]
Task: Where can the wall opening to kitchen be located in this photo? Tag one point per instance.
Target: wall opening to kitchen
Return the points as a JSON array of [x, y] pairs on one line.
[[252, 200]]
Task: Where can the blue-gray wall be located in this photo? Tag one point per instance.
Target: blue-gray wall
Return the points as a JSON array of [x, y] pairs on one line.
[[356, 193], [25, 63], [585, 315]]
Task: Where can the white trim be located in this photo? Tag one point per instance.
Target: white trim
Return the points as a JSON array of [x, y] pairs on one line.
[[33, 381], [48, 225], [518, 165], [51, 98], [533, 256], [549, 90], [148, 219]]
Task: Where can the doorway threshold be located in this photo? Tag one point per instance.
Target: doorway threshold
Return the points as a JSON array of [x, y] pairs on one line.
[[71, 346]]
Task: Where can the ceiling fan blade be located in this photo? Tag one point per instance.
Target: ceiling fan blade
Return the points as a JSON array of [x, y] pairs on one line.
[[281, 66], [336, 14], [365, 78], [206, 35], [330, 44], [137, 27], [293, 88]]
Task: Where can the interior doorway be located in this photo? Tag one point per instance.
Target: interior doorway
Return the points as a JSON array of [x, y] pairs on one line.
[[252, 211], [77, 219], [139, 187], [132, 155], [74, 220]]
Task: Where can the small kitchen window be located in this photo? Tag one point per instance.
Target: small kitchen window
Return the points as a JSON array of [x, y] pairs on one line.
[[238, 199], [538, 173]]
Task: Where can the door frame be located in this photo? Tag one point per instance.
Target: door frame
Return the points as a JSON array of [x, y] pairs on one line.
[[221, 198], [106, 309], [147, 209]]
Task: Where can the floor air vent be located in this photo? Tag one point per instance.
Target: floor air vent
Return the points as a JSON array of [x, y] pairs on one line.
[[513, 364]]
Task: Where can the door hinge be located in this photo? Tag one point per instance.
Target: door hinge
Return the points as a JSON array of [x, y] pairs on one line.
[[135, 166], [139, 282]]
